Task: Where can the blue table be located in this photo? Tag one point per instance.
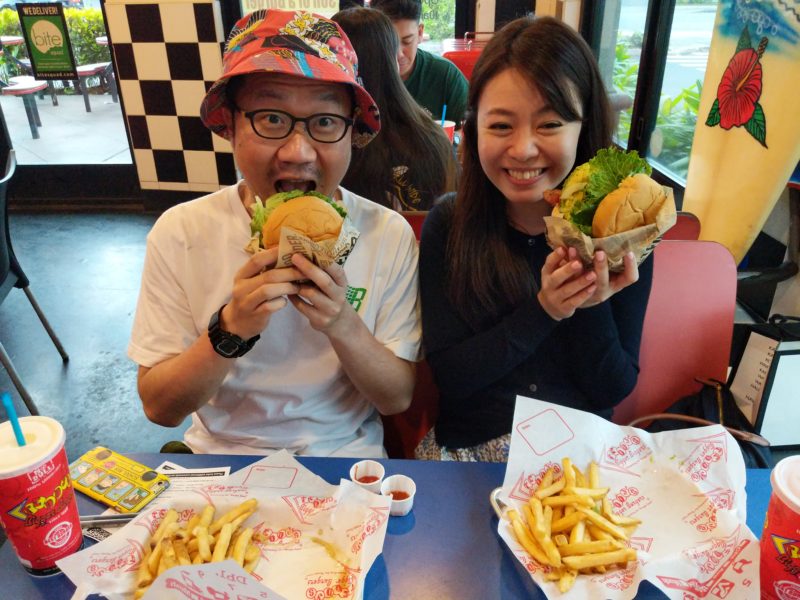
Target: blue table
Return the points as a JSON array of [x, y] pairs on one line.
[[446, 548]]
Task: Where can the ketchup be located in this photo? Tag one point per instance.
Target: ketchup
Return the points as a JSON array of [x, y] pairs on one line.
[[367, 479], [399, 495]]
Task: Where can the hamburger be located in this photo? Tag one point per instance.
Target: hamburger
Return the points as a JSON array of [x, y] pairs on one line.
[[311, 214], [610, 194]]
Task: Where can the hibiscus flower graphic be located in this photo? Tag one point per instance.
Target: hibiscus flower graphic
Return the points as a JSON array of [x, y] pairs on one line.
[[739, 90]]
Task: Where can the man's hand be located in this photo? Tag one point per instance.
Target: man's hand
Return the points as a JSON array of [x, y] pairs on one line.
[[608, 283], [258, 291], [565, 285], [323, 301]]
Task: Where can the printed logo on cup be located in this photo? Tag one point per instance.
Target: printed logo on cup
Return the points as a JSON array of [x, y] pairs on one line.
[[41, 472], [59, 535]]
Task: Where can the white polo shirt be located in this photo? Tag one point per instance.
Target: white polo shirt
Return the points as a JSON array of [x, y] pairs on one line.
[[290, 390]]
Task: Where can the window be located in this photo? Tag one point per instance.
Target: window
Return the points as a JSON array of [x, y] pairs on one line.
[[665, 85]]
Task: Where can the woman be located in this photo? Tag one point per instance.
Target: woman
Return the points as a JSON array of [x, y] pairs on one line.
[[502, 314], [411, 162]]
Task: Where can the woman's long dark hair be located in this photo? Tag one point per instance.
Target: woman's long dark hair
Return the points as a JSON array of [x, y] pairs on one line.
[[486, 277], [408, 136]]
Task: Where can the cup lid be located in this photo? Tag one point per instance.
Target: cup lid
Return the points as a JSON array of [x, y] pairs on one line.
[[786, 482]]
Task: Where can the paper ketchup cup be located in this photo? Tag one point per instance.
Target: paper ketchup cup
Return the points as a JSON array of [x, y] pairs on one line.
[[780, 540], [37, 501]]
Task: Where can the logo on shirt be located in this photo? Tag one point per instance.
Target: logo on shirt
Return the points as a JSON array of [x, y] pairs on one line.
[[355, 296]]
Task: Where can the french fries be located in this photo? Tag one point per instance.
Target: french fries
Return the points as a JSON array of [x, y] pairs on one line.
[[202, 540], [568, 526]]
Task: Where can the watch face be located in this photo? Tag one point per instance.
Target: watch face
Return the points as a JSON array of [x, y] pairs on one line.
[[227, 347]]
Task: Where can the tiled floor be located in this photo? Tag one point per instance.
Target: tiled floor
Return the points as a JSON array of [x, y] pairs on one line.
[[84, 271]]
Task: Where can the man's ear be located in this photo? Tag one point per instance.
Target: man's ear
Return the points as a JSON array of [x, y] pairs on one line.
[[420, 31]]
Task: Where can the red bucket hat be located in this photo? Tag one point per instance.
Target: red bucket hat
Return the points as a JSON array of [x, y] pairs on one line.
[[293, 43]]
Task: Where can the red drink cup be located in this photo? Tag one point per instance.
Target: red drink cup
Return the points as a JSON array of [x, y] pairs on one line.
[[37, 501], [449, 129], [780, 540]]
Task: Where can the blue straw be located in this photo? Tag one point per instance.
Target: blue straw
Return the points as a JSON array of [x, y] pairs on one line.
[[444, 112], [12, 416]]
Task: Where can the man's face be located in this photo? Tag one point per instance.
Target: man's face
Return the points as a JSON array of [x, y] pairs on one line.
[[296, 161], [410, 34]]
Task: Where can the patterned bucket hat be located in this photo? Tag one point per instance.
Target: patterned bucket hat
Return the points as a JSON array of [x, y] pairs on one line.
[[293, 43]]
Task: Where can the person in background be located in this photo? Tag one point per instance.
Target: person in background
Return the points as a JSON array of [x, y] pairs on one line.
[[264, 358], [433, 81], [411, 162], [502, 313]]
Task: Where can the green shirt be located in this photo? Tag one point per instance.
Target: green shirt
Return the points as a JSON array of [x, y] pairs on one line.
[[435, 82]]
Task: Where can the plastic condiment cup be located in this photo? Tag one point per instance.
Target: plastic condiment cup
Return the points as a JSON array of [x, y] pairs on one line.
[[37, 501], [368, 474], [450, 129], [401, 489], [780, 567]]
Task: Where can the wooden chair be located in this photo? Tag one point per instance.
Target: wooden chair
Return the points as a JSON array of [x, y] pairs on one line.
[[403, 432], [687, 227], [688, 325], [12, 276]]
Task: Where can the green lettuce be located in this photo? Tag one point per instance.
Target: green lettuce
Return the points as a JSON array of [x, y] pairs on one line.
[[592, 181]]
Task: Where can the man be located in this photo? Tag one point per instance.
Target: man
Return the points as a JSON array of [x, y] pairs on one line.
[[432, 80], [311, 371]]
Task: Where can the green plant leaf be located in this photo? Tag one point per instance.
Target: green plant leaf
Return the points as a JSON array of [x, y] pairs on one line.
[[757, 125], [713, 114], [744, 40]]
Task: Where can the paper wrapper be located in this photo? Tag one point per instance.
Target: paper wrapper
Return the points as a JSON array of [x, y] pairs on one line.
[[640, 240], [686, 486], [317, 540], [321, 253]]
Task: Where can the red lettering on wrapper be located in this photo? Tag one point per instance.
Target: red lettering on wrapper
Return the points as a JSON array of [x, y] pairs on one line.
[[622, 457], [305, 507]]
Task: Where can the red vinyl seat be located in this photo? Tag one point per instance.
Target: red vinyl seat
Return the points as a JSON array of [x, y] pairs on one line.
[[688, 325], [415, 218], [687, 227], [464, 59], [403, 432]]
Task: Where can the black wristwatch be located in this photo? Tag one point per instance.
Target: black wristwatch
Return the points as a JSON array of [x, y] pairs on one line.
[[225, 343]]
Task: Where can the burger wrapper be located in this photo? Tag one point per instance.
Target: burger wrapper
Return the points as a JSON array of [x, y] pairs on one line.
[[640, 240], [316, 540], [686, 486], [321, 253]]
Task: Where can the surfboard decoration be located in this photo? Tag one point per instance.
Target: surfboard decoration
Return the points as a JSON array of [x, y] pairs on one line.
[[739, 90], [747, 139]]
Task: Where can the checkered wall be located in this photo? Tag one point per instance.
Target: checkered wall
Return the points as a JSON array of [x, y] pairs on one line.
[[167, 55]]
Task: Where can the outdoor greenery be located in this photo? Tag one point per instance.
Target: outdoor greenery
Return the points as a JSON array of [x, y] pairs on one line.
[[676, 120], [439, 17], [83, 24]]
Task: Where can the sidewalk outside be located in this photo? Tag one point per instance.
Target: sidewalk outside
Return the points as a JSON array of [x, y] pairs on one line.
[[69, 134]]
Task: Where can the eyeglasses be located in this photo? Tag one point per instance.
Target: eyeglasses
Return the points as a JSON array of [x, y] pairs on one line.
[[277, 124]]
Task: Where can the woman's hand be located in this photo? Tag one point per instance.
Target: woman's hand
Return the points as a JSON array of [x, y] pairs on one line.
[[565, 284], [609, 283]]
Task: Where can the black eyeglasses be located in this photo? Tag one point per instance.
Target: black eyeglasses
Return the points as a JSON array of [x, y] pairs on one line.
[[277, 124]]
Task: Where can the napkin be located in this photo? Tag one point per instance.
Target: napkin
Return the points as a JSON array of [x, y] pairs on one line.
[[318, 539], [686, 486]]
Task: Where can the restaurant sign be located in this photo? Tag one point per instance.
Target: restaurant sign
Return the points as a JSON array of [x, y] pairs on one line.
[[47, 40]]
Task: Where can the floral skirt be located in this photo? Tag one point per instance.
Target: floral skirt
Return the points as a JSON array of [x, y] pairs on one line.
[[495, 450]]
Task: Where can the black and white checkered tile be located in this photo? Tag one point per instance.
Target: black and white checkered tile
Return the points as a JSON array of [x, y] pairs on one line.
[[167, 55]]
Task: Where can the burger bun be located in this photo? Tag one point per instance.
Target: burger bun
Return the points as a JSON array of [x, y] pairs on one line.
[[635, 203], [308, 215]]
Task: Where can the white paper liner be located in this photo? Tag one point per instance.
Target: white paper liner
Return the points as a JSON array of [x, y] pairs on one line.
[[320, 538], [687, 487]]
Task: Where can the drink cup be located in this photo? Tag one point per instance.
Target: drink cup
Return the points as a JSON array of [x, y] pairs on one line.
[[37, 501], [780, 540], [450, 129]]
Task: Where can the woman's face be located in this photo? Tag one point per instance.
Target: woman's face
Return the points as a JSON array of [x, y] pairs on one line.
[[524, 146]]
